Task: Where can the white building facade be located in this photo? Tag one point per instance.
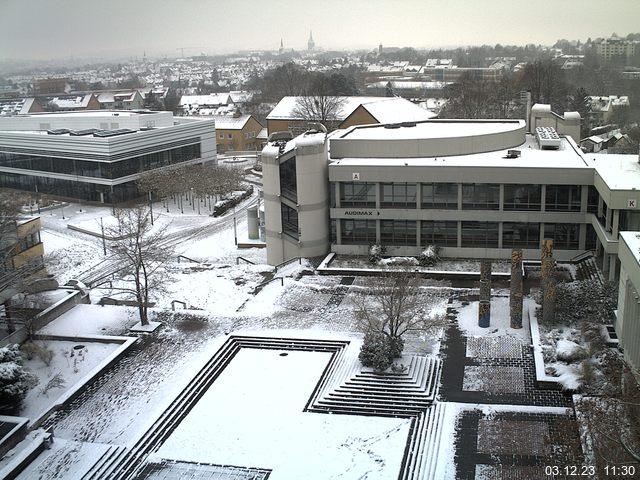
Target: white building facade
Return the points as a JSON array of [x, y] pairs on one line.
[[98, 155]]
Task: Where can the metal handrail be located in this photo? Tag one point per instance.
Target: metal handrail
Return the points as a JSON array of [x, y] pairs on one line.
[[286, 262], [244, 259]]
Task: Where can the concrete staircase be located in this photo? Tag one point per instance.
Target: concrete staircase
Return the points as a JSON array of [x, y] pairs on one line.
[[128, 464], [587, 269], [364, 392], [423, 446]]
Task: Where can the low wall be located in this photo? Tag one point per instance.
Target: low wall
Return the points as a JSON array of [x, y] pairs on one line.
[[543, 380], [47, 316], [69, 396]]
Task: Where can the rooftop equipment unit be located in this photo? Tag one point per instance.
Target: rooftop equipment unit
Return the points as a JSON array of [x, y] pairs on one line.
[[513, 153], [547, 138]]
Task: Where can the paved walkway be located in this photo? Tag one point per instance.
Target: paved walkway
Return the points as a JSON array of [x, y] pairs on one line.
[[506, 444]]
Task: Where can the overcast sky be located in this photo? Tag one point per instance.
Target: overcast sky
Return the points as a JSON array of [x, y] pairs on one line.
[[41, 29]]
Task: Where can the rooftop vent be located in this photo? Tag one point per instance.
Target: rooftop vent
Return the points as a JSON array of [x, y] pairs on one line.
[[513, 153], [81, 133], [547, 137], [392, 125], [58, 131], [408, 124], [113, 133]]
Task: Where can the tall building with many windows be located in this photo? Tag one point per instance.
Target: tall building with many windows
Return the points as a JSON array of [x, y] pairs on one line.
[[98, 155], [474, 188]]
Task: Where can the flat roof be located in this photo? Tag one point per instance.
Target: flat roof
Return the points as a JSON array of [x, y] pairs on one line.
[[632, 239], [531, 156], [92, 113], [431, 129], [619, 172]]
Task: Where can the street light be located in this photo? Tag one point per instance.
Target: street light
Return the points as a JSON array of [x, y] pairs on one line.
[[235, 230]]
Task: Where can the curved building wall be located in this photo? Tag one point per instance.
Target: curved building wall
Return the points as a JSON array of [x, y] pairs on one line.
[[433, 138]]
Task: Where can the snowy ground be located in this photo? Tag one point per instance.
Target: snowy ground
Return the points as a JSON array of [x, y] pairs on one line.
[[263, 395], [254, 415], [70, 363]]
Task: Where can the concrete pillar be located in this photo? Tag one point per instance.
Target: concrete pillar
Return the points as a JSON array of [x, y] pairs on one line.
[[515, 292], [547, 281], [484, 309], [549, 299], [615, 223], [613, 267], [484, 314], [252, 223]]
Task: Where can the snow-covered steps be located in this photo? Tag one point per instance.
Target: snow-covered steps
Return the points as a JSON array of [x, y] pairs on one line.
[[424, 444], [359, 392], [587, 269], [187, 470], [103, 467], [129, 464]]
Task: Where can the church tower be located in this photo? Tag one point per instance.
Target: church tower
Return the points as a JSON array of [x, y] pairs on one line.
[[281, 49], [311, 44]]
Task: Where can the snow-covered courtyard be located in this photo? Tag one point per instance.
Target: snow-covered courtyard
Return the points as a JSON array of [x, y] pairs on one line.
[[254, 415]]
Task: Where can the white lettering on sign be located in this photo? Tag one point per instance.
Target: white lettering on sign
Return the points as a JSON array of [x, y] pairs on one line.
[[632, 203], [355, 176]]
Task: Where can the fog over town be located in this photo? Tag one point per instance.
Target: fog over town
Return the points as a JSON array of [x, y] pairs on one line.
[[315, 240]]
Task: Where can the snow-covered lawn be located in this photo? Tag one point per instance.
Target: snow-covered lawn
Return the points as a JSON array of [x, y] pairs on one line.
[[253, 416], [71, 362], [84, 320], [500, 320]]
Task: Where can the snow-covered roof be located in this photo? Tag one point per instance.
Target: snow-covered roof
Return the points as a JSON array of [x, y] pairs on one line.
[[632, 239], [212, 100], [15, 106], [263, 135], [566, 157], [384, 109], [64, 103], [619, 172], [110, 97], [396, 110], [229, 122]]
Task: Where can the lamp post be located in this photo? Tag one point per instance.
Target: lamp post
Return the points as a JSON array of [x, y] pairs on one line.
[[104, 244], [235, 230], [151, 207]]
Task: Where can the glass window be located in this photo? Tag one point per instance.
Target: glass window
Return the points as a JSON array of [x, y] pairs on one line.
[[289, 221], [398, 232], [522, 197], [440, 233], [592, 200], [288, 179], [480, 234], [565, 235], [398, 195], [480, 196], [358, 194], [563, 198], [358, 232], [440, 195], [520, 235]]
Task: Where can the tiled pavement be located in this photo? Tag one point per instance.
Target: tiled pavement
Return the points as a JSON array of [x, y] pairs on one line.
[[506, 445]]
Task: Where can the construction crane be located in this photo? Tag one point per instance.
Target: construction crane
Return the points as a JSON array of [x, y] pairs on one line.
[[182, 49]]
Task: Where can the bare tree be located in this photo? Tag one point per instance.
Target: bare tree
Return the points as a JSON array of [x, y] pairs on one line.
[[143, 252], [610, 414], [394, 305], [320, 103], [206, 181]]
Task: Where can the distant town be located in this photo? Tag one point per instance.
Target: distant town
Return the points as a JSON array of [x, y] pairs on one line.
[[286, 264]]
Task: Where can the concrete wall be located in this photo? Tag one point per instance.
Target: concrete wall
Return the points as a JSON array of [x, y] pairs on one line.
[[312, 200], [628, 315]]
